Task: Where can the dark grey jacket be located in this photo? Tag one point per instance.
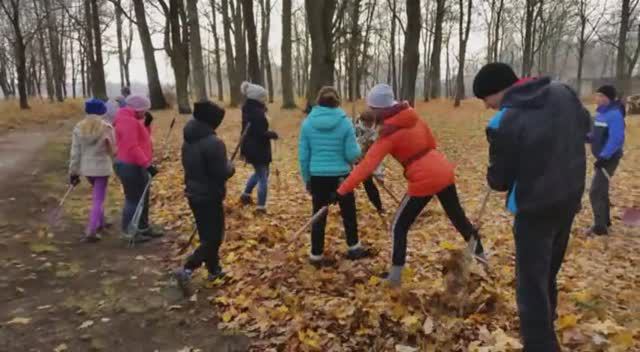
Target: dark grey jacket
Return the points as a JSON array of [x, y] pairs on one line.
[[537, 151], [205, 163]]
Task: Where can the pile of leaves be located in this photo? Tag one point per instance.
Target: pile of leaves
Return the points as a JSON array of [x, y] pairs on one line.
[[274, 296]]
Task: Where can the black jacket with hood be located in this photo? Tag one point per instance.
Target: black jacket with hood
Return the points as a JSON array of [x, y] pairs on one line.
[[205, 163], [537, 150], [256, 147]]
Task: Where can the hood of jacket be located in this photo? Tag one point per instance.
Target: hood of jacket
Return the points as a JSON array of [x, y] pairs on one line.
[[91, 129], [614, 105], [532, 94], [326, 119], [196, 130], [404, 117]]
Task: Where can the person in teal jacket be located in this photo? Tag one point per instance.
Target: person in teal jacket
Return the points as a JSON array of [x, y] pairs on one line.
[[327, 149]]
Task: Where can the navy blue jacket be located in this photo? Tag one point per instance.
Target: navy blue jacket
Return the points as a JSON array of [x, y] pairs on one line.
[[256, 148]]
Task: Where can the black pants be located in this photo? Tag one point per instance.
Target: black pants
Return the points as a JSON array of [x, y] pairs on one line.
[[411, 207], [599, 196], [134, 179], [372, 193], [541, 242], [210, 222], [321, 189]]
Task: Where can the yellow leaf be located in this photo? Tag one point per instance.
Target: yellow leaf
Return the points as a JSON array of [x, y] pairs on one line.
[[623, 340], [309, 338], [374, 280], [447, 245], [567, 321], [39, 247], [19, 321], [582, 296], [226, 316], [606, 327]]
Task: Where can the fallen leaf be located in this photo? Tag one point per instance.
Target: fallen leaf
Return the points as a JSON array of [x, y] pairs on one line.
[[567, 321], [427, 326], [61, 348], [404, 348], [19, 321], [39, 248], [86, 324]]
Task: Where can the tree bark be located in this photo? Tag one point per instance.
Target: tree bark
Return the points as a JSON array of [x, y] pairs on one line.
[[265, 59], [195, 44], [411, 55], [240, 41], [156, 95], [20, 50], [98, 83], [392, 40], [320, 24], [434, 75], [177, 48], [57, 66], [49, 81], [464, 39], [216, 46], [288, 101], [622, 80]]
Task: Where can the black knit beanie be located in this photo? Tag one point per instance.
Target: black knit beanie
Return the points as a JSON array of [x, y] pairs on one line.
[[493, 78], [608, 91], [209, 113]]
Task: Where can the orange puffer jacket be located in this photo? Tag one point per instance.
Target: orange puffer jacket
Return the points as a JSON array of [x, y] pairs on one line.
[[410, 141]]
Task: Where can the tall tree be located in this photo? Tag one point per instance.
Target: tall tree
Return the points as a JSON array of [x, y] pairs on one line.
[[436, 51], [320, 15], [462, 48], [587, 28], [393, 7], [531, 8], [353, 50], [240, 40], [233, 73], [54, 51], [176, 45], [255, 74], [44, 60], [411, 57], [265, 60], [216, 48], [288, 101], [195, 44], [622, 79], [94, 42], [156, 95], [12, 9]]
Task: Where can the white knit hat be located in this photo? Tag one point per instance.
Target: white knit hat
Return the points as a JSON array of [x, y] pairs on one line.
[[138, 102], [381, 96], [253, 91]]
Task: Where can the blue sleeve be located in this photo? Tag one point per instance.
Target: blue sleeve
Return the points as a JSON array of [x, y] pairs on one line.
[[352, 148], [304, 154], [616, 135]]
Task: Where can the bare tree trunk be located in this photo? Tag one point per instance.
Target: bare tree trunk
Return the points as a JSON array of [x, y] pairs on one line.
[[98, 83], [216, 46], [364, 64], [118, 15], [427, 41], [49, 81], [288, 101], [55, 53], [20, 50], [239, 41], [156, 95], [252, 35], [437, 49], [320, 24], [74, 70], [177, 48], [411, 52], [265, 60], [195, 44], [392, 40], [232, 73], [464, 38]]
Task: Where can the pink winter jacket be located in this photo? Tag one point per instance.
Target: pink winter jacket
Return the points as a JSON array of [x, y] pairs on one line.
[[132, 138]]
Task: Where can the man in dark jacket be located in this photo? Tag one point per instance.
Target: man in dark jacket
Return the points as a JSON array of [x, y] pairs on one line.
[[206, 171], [537, 155], [607, 140]]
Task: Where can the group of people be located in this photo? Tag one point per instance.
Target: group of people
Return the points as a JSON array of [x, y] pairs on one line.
[[536, 155], [116, 137]]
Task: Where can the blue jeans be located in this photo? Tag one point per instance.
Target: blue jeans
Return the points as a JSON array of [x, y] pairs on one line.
[[134, 179], [260, 178]]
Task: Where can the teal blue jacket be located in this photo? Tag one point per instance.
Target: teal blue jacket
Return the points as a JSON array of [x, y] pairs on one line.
[[327, 144]]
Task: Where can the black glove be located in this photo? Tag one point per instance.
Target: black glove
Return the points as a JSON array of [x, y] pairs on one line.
[[152, 170], [272, 135], [600, 163], [148, 119], [74, 180]]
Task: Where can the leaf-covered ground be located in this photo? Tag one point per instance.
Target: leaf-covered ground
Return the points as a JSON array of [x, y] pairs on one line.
[[274, 296]]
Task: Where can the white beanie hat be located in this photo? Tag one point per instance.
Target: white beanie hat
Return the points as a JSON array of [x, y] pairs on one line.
[[253, 91], [138, 102], [381, 96]]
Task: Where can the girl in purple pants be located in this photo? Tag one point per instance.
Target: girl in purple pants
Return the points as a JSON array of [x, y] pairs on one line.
[[92, 149]]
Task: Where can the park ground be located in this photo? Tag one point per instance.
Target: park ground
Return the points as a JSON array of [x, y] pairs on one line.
[[58, 294]]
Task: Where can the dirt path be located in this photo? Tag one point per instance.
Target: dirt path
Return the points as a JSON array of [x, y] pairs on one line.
[[57, 294]]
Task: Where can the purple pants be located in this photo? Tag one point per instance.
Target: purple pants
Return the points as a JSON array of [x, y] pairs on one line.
[[96, 216]]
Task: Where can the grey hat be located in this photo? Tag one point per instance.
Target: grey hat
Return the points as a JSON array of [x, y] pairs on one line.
[[381, 96], [253, 91]]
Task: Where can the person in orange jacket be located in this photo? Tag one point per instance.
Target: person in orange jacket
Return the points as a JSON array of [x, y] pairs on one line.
[[410, 141]]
